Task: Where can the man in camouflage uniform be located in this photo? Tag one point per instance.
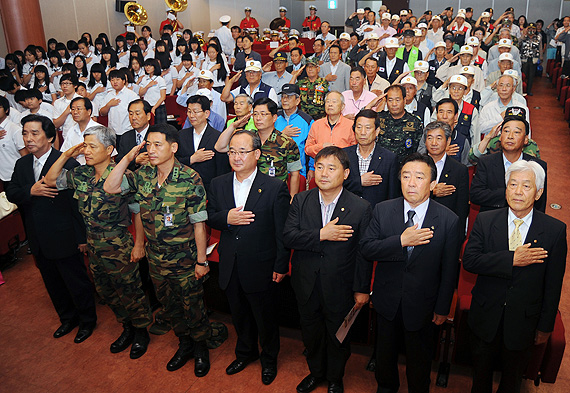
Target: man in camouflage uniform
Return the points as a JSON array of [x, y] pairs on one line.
[[173, 211], [279, 153], [112, 254], [400, 131], [313, 89]]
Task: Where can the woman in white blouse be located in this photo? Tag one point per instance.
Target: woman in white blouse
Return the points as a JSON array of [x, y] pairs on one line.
[[153, 90], [216, 63], [97, 85]]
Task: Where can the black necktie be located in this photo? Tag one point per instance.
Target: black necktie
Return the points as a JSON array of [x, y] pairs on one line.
[[410, 223]]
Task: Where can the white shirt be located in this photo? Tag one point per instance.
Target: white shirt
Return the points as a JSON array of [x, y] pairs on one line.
[[152, 95], [525, 226], [420, 210], [10, 147], [75, 137], [413, 106], [207, 64], [228, 43], [507, 163], [241, 189], [119, 115], [46, 110], [328, 37], [39, 164], [328, 210], [198, 136], [435, 37], [59, 106], [170, 78], [439, 166]]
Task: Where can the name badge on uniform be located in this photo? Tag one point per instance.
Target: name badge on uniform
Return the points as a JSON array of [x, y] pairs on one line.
[[381, 69], [168, 218]]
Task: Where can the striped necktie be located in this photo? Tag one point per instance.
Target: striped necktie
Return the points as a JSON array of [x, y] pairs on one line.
[[515, 240]]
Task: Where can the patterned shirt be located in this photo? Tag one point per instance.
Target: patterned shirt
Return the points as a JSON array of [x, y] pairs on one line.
[[401, 136], [313, 96], [283, 152], [364, 163]]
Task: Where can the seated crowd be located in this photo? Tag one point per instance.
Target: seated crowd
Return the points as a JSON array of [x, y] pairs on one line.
[[372, 146]]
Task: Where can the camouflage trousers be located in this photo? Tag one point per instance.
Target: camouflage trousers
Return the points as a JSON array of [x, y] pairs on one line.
[[181, 295], [117, 279]]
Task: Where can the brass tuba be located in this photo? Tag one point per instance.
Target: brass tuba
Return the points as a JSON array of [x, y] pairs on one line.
[[177, 5], [135, 13]]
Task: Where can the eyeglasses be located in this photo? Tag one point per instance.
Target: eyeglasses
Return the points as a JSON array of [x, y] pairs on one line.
[[66, 84], [263, 114], [191, 112], [240, 154]]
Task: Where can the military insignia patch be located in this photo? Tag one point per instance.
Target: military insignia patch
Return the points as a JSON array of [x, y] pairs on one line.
[[408, 143], [465, 117]]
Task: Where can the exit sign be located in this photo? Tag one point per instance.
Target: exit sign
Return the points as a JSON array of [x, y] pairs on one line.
[[332, 5]]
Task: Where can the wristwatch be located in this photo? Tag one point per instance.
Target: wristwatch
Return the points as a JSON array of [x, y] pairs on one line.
[[205, 263]]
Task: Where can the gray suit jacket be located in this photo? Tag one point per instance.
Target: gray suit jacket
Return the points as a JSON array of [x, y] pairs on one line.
[[343, 75]]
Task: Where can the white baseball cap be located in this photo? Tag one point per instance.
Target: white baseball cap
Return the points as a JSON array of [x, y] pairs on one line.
[[391, 43], [205, 93], [421, 26], [403, 13], [473, 41], [459, 79], [371, 36], [360, 11], [417, 32], [395, 17], [506, 56], [409, 80], [206, 74], [485, 15], [386, 15], [460, 15], [421, 65], [439, 44], [468, 70], [513, 74], [436, 17], [505, 43], [344, 36], [466, 50], [253, 65]]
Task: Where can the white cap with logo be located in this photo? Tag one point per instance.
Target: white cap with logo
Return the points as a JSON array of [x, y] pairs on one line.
[[253, 65], [409, 80], [421, 65], [458, 79], [466, 50], [391, 43]]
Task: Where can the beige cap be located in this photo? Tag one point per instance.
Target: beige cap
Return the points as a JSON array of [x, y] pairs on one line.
[[395, 17], [391, 43], [371, 36], [417, 32], [360, 11], [458, 79], [505, 43], [206, 74], [468, 70], [466, 50], [460, 15], [421, 26], [421, 65], [344, 36], [205, 93], [386, 15], [485, 15], [472, 41], [439, 44], [506, 56], [253, 65], [403, 13], [409, 80]]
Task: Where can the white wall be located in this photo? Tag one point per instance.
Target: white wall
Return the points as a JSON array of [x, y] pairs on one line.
[[67, 19]]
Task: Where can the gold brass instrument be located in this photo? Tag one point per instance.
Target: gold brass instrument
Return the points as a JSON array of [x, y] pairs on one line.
[[135, 13], [177, 5]]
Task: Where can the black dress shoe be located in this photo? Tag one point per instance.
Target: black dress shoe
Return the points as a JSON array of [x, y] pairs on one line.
[[140, 343], [65, 328], [238, 365], [125, 339], [185, 352], [309, 383], [201, 359], [268, 374], [335, 387], [83, 334]]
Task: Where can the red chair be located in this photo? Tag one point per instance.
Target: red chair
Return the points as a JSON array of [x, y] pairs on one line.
[[103, 120], [567, 109], [172, 108], [563, 95], [302, 183]]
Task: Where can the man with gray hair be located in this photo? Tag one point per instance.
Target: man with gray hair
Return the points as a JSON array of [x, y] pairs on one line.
[[113, 255], [516, 296], [452, 188]]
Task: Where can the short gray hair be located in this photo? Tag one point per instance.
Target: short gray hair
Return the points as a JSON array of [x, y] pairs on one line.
[[436, 125], [524, 166], [249, 99], [515, 80], [104, 135], [335, 92]]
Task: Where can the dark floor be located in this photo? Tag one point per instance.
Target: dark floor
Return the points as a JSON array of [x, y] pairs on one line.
[[32, 361]]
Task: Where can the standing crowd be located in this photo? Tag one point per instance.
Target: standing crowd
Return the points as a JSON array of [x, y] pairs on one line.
[[332, 157]]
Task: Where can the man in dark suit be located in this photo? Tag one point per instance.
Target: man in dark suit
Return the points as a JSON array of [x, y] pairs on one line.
[[488, 185], [55, 230], [328, 275], [196, 148], [373, 169], [452, 188], [250, 209], [139, 116], [519, 254], [416, 243]]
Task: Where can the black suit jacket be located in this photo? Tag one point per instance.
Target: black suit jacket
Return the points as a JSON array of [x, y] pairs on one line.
[[54, 226], [256, 250], [423, 283], [488, 185], [340, 265], [383, 163], [303, 74], [127, 142], [456, 174], [209, 169], [526, 297]]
